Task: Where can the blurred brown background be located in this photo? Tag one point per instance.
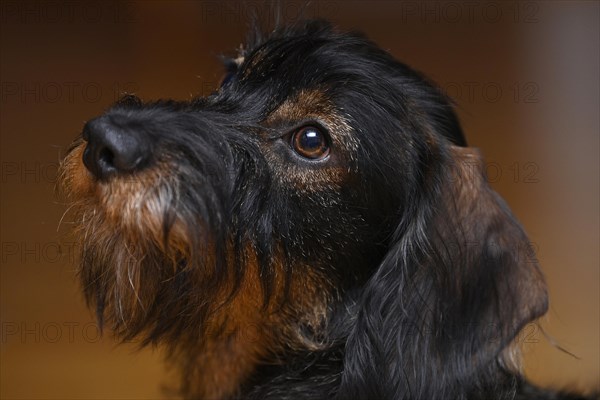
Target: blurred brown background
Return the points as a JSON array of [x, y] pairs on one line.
[[524, 74]]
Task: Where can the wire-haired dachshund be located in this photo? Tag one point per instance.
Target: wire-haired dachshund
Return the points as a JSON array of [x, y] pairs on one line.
[[317, 228]]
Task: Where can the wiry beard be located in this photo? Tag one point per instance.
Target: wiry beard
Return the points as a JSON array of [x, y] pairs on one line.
[[145, 264]]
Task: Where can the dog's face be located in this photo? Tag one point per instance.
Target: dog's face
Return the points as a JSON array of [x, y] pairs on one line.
[[322, 182]]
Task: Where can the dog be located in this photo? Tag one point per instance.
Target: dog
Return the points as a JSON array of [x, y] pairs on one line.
[[317, 228]]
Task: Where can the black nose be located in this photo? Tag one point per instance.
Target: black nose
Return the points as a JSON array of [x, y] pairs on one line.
[[113, 149]]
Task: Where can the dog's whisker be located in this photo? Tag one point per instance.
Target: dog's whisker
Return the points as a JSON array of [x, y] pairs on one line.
[[64, 214]]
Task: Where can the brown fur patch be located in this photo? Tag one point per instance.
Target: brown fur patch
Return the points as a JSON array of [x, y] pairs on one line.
[[243, 334]]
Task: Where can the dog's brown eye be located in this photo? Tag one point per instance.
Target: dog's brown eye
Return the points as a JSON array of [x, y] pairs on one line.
[[310, 142]]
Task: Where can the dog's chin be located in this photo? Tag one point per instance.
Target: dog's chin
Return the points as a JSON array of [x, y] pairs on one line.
[[137, 280]]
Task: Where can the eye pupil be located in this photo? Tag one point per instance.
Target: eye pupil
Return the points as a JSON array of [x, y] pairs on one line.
[[311, 140], [311, 143]]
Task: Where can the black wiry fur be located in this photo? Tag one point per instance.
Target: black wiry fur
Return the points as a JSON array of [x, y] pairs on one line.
[[426, 275]]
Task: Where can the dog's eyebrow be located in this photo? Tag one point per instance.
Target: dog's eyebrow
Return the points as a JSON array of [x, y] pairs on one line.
[[307, 103]]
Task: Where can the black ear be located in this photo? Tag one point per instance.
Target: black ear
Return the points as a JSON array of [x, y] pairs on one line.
[[457, 285]]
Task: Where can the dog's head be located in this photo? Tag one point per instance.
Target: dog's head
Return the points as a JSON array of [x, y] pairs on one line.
[[322, 182]]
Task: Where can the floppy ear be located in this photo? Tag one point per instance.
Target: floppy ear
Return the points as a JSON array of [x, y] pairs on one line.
[[457, 285]]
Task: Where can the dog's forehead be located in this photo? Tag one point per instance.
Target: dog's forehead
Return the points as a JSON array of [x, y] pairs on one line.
[[300, 62], [284, 68]]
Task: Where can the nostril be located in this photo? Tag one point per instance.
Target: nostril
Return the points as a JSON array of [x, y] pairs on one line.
[[106, 158], [99, 160]]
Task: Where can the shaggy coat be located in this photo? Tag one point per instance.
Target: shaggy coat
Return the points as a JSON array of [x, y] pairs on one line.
[[317, 228]]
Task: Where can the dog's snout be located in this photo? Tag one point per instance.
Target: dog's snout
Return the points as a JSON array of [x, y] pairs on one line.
[[113, 150]]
